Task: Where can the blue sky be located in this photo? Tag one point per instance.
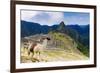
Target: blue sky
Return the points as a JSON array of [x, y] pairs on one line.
[[77, 18], [51, 18]]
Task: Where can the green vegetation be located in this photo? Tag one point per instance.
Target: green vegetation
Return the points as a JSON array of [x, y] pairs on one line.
[[83, 49], [63, 41], [53, 55], [78, 36], [61, 27]]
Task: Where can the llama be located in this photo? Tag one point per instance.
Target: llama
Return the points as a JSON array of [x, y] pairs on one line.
[[36, 49]]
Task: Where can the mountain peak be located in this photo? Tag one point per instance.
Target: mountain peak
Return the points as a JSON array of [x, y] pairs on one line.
[[61, 25], [62, 22]]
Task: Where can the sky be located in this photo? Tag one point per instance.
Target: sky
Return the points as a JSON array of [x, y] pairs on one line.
[[50, 17]]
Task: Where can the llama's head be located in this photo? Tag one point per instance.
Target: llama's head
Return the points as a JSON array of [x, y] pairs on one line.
[[44, 38], [48, 38]]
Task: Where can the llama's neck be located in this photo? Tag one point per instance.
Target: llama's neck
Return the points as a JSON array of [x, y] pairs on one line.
[[30, 44], [44, 42]]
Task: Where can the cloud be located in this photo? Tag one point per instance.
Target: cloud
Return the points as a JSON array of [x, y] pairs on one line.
[[42, 17], [26, 15]]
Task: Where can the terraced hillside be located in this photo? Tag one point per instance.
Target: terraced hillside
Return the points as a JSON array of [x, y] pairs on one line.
[[61, 47]]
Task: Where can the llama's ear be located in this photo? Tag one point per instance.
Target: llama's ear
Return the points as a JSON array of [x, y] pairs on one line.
[[48, 38]]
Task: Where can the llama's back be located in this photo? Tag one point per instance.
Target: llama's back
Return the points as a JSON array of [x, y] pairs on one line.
[[38, 47]]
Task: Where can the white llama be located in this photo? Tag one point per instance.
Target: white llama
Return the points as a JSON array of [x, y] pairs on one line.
[[36, 49]]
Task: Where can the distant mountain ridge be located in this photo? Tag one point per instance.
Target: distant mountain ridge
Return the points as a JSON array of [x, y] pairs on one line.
[[31, 28]]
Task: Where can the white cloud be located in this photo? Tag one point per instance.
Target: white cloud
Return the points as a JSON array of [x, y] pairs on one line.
[[55, 17], [42, 17], [26, 15]]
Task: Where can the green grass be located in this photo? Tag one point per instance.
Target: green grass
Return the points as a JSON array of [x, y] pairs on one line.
[[54, 55], [58, 55], [66, 41], [69, 44]]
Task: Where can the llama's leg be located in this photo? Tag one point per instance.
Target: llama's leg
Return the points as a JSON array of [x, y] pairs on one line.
[[28, 52], [36, 52], [31, 52], [31, 55], [40, 54], [40, 57]]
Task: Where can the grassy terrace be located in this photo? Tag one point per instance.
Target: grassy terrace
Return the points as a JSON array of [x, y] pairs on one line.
[[55, 55]]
